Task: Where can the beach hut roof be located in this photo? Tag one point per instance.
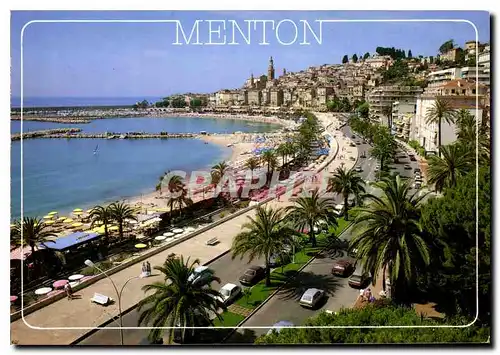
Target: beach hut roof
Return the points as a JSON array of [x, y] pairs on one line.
[[72, 240]]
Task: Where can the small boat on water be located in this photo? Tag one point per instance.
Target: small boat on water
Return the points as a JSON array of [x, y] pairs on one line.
[[96, 150], [111, 137], [123, 136]]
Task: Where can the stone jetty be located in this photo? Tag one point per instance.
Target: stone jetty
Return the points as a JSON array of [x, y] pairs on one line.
[[69, 120], [72, 133]]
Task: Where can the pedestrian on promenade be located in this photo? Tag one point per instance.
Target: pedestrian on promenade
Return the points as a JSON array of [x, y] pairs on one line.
[[69, 291], [148, 268]]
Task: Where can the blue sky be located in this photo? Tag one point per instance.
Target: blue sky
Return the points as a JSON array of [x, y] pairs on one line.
[[138, 59]]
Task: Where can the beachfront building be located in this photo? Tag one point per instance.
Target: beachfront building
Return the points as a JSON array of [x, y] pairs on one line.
[[383, 96], [460, 94], [276, 97], [254, 97]]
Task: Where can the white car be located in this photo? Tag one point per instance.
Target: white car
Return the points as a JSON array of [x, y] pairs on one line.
[[311, 297], [358, 169], [229, 292], [200, 274]]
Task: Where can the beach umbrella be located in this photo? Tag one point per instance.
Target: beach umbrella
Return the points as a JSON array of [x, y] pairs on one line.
[[52, 213], [77, 213], [47, 217], [12, 226], [68, 220], [77, 210], [50, 222], [77, 224], [140, 246], [60, 219]]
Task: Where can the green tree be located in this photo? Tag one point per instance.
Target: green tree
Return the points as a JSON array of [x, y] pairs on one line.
[[346, 183], [355, 58], [252, 164], [446, 46], [364, 110], [282, 152], [120, 212], [440, 110], [271, 160], [400, 322], [387, 112], [101, 215], [32, 232], [177, 300], [383, 150], [310, 212], [409, 54], [455, 160], [218, 171], [263, 236], [345, 59], [387, 234], [466, 127], [451, 277], [366, 56]]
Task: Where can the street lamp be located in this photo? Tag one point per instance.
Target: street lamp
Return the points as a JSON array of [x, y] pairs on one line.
[[118, 293]]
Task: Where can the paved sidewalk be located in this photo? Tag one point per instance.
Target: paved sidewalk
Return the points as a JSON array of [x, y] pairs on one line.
[[82, 313]]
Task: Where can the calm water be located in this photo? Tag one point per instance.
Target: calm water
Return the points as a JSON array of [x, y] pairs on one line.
[[61, 174]]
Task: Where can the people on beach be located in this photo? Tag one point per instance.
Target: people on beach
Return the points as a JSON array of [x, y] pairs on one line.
[[69, 291]]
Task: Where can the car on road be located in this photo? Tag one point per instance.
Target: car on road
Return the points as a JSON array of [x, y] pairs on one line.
[[343, 267], [417, 185], [363, 155], [358, 143], [377, 168], [312, 297], [281, 259], [351, 202], [353, 253], [229, 292], [359, 278], [412, 157], [416, 170], [253, 275], [358, 169], [339, 209], [352, 144], [201, 274], [407, 167]]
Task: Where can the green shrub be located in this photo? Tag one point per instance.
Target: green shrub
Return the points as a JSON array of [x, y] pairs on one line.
[[103, 265]]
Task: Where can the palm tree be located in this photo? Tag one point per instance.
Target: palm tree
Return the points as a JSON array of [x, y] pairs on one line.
[[31, 232], [120, 212], [440, 110], [252, 164], [383, 150], [466, 127], [387, 112], [269, 158], [183, 200], [175, 183], [387, 234], [346, 183], [102, 215], [456, 160], [177, 301], [160, 183], [310, 211], [218, 171], [265, 235], [282, 152]]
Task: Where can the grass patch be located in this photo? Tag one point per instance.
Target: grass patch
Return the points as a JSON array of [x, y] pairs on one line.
[[228, 319]]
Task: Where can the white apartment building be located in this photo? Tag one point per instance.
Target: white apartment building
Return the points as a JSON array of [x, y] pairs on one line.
[[484, 59], [440, 77], [384, 96], [402, 116], [461, 95]]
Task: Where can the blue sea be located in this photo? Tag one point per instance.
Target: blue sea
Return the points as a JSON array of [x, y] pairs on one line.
[[78, 101], [63, 174]]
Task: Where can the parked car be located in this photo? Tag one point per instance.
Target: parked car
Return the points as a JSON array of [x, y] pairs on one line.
[[311, 297], [358, 143], [353, 253], [229, 292], [417, 185], [407, 167], [339, 208], [201, 274], [359, 278], [343, 267], [416, 170], [281, 259], [253, 275], [377, 168], [412, 158], [358, 169], [352, 144], [351, 202]]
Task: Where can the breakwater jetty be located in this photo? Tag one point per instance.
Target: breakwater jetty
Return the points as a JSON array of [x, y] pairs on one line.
[[72, 133], [68, 120]]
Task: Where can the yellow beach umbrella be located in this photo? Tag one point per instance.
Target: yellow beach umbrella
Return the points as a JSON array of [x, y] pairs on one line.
[[140, 246], [47, 217], [77, 213], [77, 224], [68, 220], [12, 226], [50, 222], [60, 219], [77, 210], [52, 213]]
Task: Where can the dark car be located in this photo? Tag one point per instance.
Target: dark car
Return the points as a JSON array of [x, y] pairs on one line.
[[416, 170], [358, 143], [343, 267], [253, 275], [407, 167], [412, 158]]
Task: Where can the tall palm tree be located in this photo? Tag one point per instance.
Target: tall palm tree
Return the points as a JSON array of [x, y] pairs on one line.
[[387, 234], [456, 160], [346, 183], [466, 127], [383, 150], [387, 112], [31, 232], [252, 164], [310, 211], [175, 183], [269, 158], [102, 215], [177, 301], [440, 110], [183, 200], [120, 211], [265, 235], [218, 171]]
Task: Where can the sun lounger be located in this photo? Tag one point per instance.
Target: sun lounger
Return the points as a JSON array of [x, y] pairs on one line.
[[101, 299]]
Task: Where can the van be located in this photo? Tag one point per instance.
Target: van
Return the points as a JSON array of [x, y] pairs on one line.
[[359, 277]]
